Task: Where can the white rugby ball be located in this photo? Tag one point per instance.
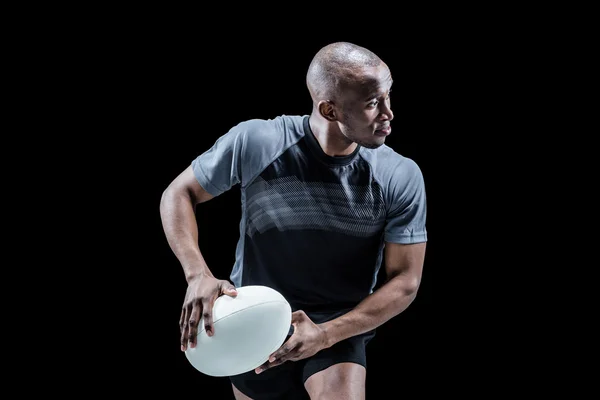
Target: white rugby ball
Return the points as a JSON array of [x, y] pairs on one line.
[[248, 328]]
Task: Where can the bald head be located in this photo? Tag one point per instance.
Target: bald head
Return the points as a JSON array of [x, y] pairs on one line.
[[337, 67]]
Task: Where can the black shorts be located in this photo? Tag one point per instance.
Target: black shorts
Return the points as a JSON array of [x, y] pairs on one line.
[[286, 381]]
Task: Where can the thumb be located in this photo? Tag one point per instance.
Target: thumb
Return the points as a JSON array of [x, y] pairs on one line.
[[229, 289]]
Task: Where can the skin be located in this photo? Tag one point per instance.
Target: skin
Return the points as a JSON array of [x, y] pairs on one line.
[[355, 116], [351, 113]]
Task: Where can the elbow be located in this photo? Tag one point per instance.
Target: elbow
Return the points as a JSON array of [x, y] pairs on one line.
[[166, 199], [407, 292], [412, 285], [408, 286], [163, 198], [174, 197]]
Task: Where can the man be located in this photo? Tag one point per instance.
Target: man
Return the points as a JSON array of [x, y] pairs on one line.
[[325, 203]]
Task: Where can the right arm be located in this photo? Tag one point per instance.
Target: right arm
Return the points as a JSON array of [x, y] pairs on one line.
[[234, 158], [177, 211]]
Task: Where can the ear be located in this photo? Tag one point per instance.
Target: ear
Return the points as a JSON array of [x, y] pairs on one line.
[[327, 110]]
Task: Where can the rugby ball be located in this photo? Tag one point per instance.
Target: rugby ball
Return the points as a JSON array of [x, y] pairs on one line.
[[248, 328]]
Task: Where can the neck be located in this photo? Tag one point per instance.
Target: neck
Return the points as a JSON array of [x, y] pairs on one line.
[[329, 136]]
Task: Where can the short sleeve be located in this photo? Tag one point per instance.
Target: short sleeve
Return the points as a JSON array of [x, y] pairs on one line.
[[239, 155], [219, 168], [407, 211]]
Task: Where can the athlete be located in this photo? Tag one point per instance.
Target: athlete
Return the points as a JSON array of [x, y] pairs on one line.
[[325, 204]]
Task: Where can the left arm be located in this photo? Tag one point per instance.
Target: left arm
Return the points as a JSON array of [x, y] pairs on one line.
[[405, 223], [404, 268], [406, 216]]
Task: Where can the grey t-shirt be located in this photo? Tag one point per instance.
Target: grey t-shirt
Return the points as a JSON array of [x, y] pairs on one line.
[[313, 226]]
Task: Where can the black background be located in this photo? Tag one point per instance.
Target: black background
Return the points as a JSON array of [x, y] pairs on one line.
[[111, 103], [163, 93], [201, 93]]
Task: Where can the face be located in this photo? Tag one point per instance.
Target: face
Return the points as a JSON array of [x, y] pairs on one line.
[[364, 113]]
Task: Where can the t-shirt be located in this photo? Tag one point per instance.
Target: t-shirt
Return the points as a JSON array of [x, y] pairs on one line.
[[313, 226]]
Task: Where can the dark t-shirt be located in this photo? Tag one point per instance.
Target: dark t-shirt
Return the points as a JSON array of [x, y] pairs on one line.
[[313, 226]]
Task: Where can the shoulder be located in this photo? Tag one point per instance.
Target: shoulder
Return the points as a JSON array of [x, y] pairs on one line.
[[263, 140], [391, 167], [280, 129]]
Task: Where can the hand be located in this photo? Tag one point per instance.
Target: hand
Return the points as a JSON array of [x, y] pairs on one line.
[[307, 340], [200, 297]]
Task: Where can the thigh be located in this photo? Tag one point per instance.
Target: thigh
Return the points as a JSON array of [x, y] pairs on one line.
[[239, 395], [342, 381], [338, 372], [281, 382]]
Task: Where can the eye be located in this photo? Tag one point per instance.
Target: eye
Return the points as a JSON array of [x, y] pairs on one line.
[[373, 103]]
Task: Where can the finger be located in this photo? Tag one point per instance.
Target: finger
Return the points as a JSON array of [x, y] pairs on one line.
[[270, 364], [183, 328], [298, 316], [228, 289], [283, 353], [194, 320], [181, 320], [207, 308]]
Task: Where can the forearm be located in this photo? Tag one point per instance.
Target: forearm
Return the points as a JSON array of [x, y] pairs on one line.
[[181, 229], [388, 301]]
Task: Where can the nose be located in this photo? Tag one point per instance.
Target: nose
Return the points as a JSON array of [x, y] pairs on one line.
[[385, 112]]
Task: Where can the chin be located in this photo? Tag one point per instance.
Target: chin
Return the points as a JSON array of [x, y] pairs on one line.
[[369, 141], [374, 144]]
